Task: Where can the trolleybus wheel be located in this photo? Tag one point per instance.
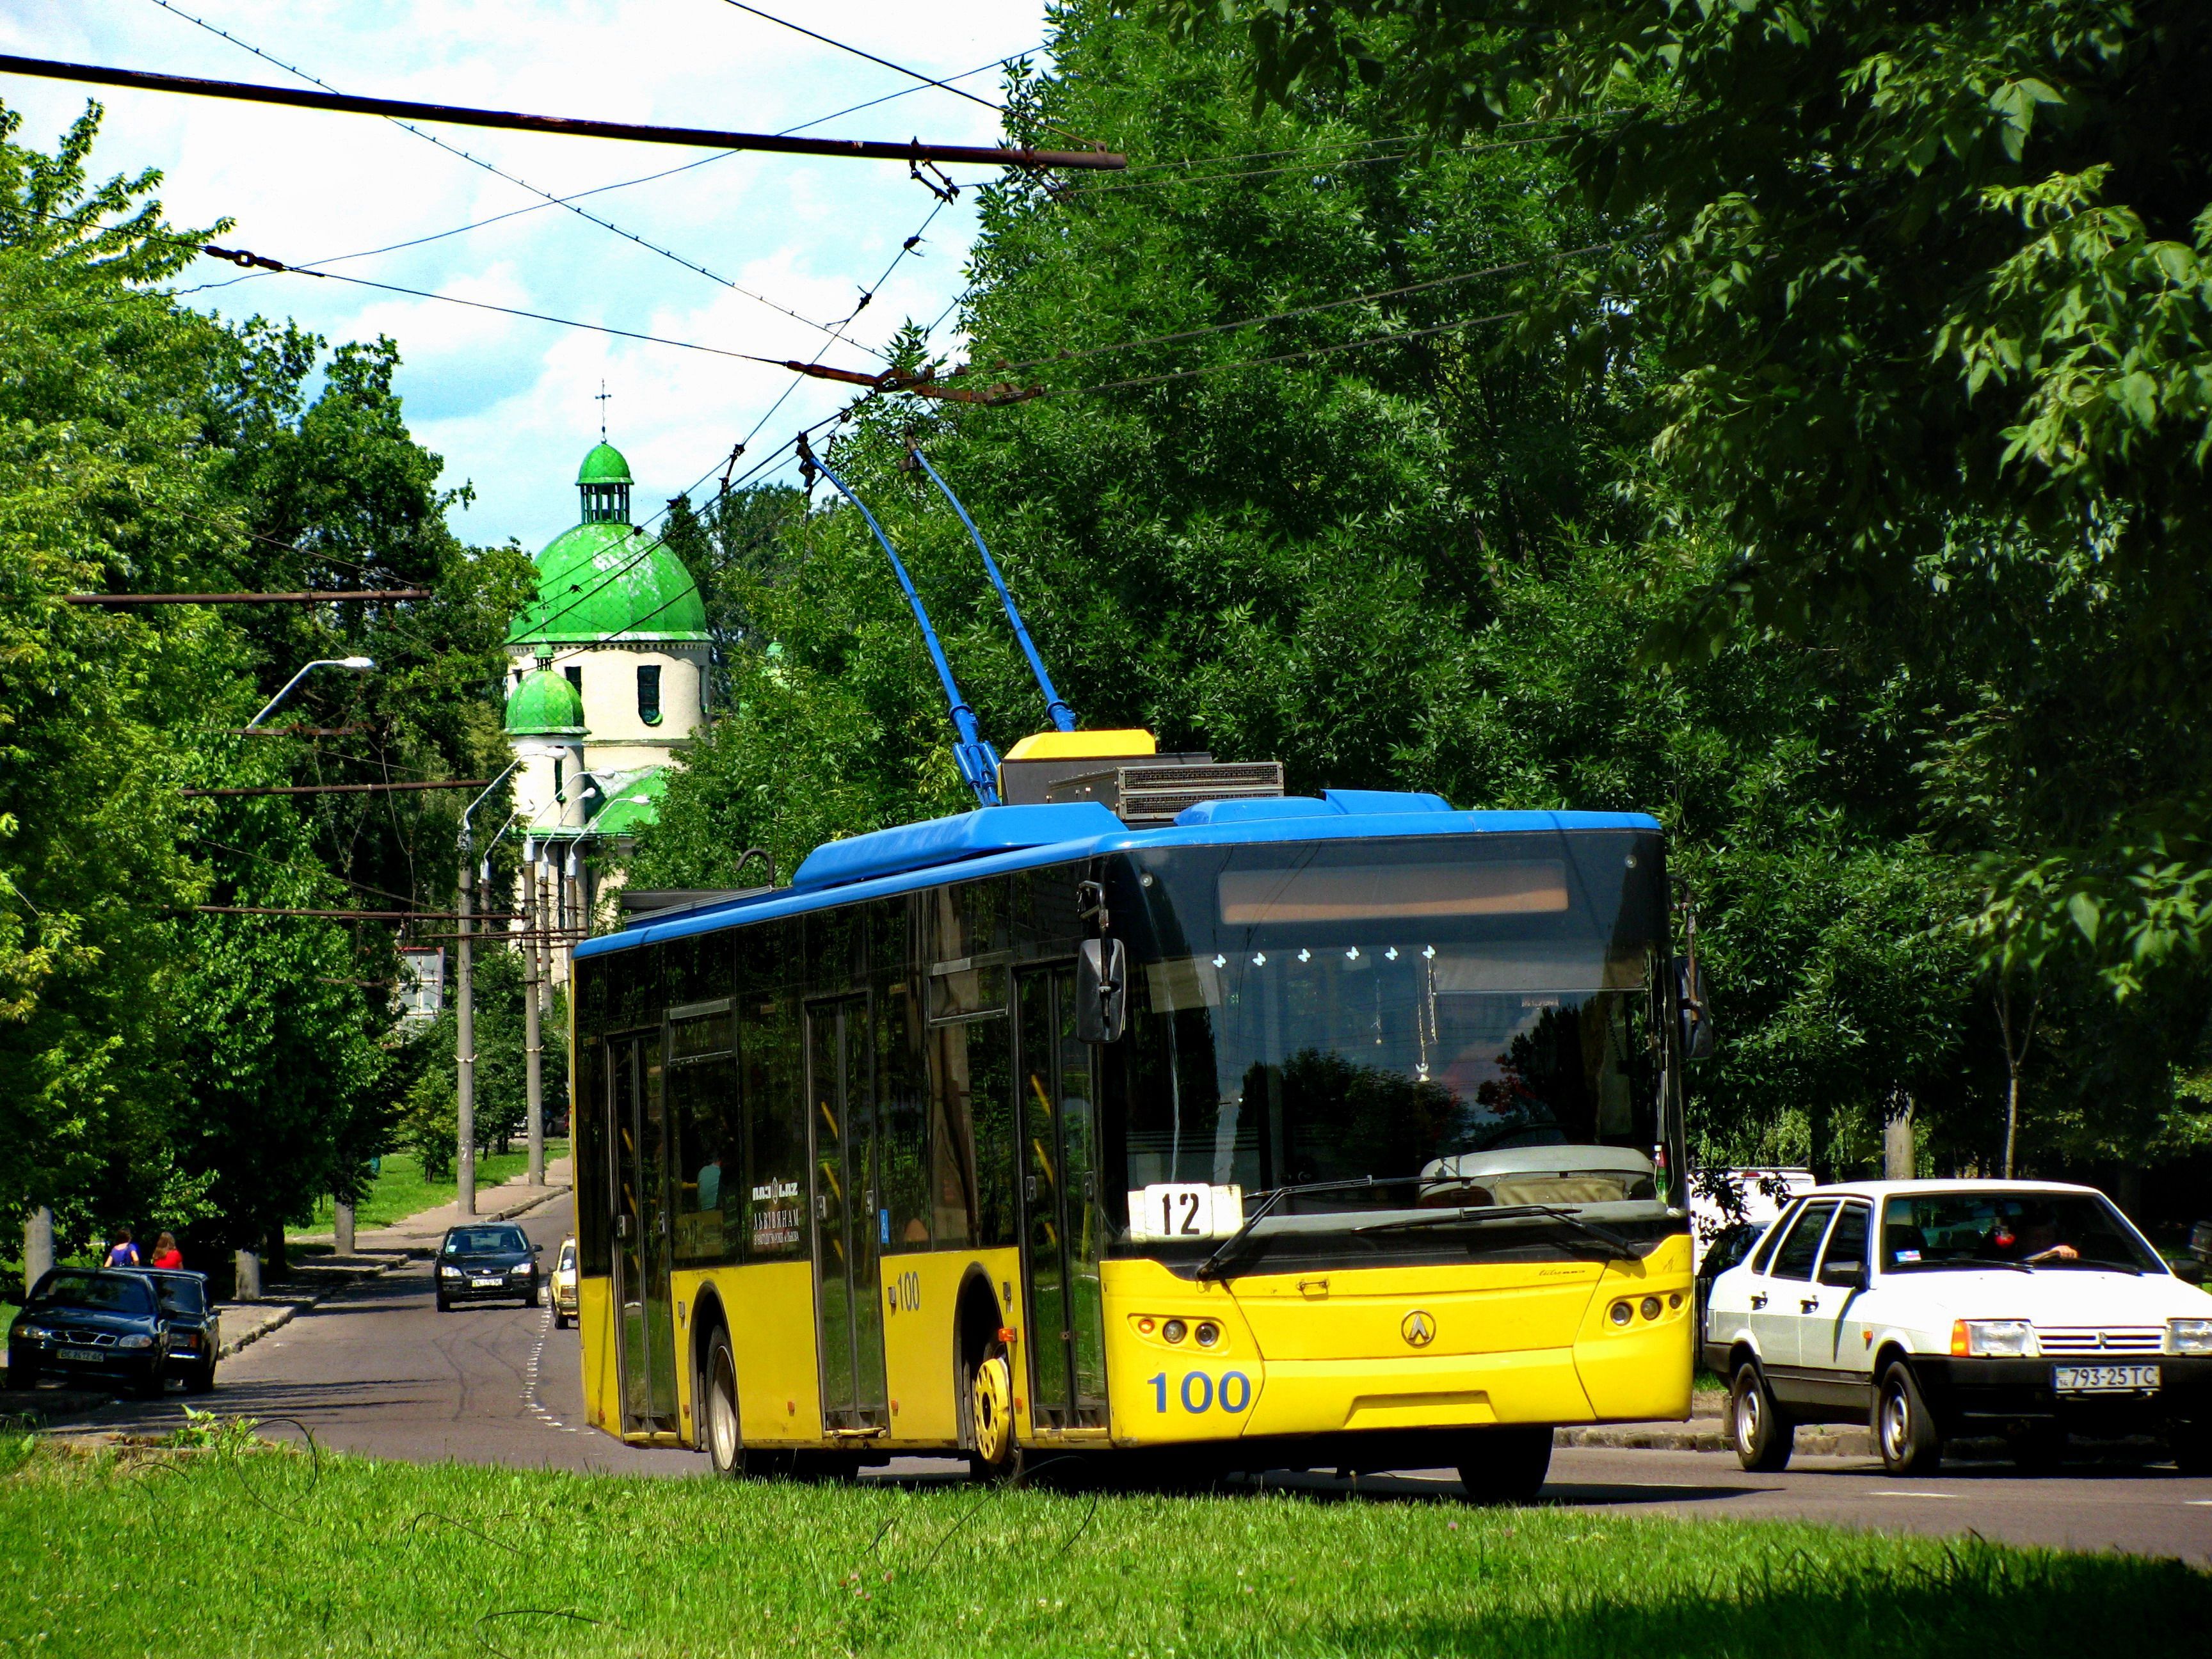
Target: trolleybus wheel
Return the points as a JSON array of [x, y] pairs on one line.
[[1506, 1465], [991, 1410], [726, 1447]]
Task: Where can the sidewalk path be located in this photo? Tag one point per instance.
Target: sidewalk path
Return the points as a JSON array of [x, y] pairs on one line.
[[418, 1234]]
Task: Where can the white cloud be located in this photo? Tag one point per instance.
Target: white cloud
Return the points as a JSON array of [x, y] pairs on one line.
[[508, 402]]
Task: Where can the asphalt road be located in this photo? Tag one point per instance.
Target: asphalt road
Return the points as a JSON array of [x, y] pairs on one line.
[[377, 1369]]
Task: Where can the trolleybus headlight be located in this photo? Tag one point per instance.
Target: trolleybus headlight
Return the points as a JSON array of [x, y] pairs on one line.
[[1173, 1330], [1651, 1307], [1674, 1298], [1145, 1325], [1622, 1313], [1208, 1333]]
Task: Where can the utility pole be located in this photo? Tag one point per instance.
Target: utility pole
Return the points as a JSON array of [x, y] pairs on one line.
[[464, 1042], [533, 1028], [465, 1009]]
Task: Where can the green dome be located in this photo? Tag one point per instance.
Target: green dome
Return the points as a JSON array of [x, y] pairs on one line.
[[544, 705], [605, 465], [603, 581]]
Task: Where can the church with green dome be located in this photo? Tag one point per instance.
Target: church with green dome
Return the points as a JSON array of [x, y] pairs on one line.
[[606, 673]]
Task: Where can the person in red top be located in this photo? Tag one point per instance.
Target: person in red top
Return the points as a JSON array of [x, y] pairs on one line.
[[165, 1253]]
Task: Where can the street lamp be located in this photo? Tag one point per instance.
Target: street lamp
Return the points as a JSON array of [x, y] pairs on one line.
[[359, 665]]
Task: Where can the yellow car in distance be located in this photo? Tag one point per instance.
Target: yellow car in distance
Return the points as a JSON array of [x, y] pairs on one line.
[[563, 1285]]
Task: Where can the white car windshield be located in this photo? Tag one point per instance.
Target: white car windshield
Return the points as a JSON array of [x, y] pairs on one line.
[[1924, 1232]]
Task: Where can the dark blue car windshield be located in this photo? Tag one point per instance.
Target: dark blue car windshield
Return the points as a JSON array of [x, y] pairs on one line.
[[486, 1241], [111, 1293]]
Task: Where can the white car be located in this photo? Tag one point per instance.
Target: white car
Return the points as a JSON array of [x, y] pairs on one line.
[[1936, 1309]]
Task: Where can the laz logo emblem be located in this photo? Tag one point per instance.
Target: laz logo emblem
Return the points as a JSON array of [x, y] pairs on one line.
[[1419, 1329]]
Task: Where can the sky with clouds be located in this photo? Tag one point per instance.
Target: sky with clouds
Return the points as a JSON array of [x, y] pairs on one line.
[[508, 402]]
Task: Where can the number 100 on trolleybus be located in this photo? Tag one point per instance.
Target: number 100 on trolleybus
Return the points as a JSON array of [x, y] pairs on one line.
[[1152, 1113]]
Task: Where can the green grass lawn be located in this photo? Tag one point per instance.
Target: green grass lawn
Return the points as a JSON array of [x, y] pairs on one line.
[[400, 1190], [368, 1558]]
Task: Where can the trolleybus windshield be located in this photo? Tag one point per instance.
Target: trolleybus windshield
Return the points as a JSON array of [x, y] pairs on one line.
[[1470, 1021]]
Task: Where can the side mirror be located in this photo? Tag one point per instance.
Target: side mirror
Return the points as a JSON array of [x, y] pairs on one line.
[[1697, 1022], [2189, 1270], [1101, 991], [1844, 1275]]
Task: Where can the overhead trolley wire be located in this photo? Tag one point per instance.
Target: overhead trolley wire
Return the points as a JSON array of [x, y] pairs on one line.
[[886, 63], [897, 68], [601, 190], [549, 199]]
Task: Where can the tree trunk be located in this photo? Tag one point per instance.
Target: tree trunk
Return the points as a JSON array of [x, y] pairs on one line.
[[38, 1246], [1900, 1156]]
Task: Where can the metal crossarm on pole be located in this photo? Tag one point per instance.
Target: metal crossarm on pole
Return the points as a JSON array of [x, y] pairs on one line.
[[347, 596], [340, 788]]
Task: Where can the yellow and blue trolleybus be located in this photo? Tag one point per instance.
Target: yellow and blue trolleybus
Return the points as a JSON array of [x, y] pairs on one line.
[[1147, 1115]]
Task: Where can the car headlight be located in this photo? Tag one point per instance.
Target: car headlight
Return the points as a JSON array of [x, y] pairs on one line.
[[449, 1270], [518, 1270], [40, 1332], [136, 1342], [1993, 1339], [2189, 1336]]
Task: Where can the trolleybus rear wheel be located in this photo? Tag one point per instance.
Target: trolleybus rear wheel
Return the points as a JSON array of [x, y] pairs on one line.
[[991, 1411], [726, 1446], [1506, 1465]]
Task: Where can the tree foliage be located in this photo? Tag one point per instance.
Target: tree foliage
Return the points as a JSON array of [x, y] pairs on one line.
[[1411, 551], [1923, 297], [216, 1071]]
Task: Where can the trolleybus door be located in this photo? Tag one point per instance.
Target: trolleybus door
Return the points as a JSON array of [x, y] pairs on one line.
[[1061, 1217], [848, 1217], [645, 1334]]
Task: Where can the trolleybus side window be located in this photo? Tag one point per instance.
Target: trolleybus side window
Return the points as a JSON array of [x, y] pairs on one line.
[[775, 1123], [972, 1150], [590, 1125], [903, 1118], [706, 1136]]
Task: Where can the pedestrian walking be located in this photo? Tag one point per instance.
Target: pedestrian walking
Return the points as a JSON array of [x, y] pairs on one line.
[[123, 1253], [165, 1253]]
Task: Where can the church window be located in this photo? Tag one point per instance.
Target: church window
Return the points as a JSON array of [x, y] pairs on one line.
[[575, 670], [648, 693]]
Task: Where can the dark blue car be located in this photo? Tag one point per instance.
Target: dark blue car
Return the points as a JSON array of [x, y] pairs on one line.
[[100, 1324], [486, 1262]]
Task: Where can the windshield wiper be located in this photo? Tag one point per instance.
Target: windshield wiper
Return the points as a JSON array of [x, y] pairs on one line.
[[1606, 1235], [1212, 1267]]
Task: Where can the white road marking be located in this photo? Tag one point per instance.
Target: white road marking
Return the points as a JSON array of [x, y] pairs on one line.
[[2198, 1503], [1880, 1493]]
